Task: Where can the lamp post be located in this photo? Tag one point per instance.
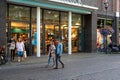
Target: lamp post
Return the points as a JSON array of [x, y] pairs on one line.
[[106, 8]]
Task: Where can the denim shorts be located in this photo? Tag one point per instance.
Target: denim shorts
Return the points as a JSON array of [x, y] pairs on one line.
[[20, 53]]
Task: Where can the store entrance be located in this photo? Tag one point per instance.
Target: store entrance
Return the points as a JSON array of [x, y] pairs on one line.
[[51, 32], [19, 29]]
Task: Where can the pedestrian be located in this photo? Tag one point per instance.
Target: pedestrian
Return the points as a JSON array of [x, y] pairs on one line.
[[12, 43], [26, 43], [20, 49], [51, 53], [59, 51]]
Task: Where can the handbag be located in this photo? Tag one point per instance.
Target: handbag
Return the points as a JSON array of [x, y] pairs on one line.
[[12, 46]]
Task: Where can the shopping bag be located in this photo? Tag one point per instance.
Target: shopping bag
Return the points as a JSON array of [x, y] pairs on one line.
[[24, 54]]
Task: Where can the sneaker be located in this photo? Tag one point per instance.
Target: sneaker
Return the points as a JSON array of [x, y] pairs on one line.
[[55, 68]]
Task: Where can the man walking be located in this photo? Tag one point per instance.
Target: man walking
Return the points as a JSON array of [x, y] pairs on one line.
[[59, 51]]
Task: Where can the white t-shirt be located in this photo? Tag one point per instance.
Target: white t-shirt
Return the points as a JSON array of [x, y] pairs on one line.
[[20, 46]]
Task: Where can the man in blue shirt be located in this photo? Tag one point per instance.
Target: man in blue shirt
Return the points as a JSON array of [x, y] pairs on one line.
[[58, 52]]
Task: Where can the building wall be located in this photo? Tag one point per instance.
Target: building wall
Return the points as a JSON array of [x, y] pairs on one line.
[[3, 22], [90, 2], [113, 7], [110, 10], [90, 32]]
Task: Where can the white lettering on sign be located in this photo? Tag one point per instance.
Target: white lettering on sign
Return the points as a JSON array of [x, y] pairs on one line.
[[75, 2]]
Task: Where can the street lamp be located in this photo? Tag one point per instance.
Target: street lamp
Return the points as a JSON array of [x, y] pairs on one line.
[[106, 8]]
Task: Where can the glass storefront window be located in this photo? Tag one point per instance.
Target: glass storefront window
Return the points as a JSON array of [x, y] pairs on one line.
[[101, 24], [53, 26], [51, 16], [19, 12], [64, 28], [20, 29], [76, 32]]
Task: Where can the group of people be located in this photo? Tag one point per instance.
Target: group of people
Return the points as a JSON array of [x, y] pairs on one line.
[[18, 46], [55, 52]]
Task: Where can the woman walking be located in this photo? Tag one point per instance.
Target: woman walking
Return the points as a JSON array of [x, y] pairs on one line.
[[51, 53], [20, 49]]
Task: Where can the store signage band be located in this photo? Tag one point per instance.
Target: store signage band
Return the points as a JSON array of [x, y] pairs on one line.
[[75, 3], [72, 2]]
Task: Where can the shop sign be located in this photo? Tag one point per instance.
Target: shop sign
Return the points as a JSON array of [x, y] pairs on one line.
[[72, 2], [75, 3]]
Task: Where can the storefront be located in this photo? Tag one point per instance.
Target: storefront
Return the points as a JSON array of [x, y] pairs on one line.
[[53, 21], [101, 24]]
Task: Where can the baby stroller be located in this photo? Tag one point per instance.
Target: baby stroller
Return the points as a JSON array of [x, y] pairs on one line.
[[113, 48]]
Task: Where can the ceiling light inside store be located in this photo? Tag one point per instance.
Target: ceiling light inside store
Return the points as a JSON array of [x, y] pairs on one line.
[[64, 25], [55, 16], [49, 12], [77, 24]]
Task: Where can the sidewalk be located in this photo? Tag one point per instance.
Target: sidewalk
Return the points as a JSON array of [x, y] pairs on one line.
[[43, 59], [79, 66]]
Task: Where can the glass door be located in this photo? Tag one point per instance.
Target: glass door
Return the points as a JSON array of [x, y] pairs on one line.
[[51, 32]]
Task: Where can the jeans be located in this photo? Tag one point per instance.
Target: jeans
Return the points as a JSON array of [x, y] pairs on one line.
[[20, 53], [49, 58]]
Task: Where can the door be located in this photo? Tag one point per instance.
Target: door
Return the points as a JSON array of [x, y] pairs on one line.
[[19, 29], [51, 32]]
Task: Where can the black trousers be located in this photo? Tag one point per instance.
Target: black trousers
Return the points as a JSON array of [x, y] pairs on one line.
[[58, 58], [12, 54]]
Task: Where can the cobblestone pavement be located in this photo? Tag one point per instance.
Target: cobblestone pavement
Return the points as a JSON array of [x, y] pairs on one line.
[[86, 66]]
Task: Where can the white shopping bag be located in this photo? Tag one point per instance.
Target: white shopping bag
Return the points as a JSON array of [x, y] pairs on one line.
[[24, 54]]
